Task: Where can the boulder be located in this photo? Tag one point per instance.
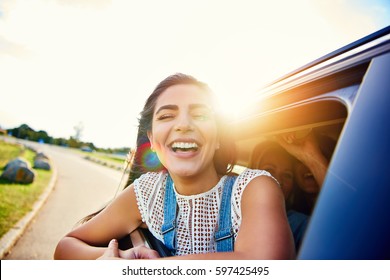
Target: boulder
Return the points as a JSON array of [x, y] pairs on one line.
[[41, 155], [17, 162], [18, 174], [41, 163]]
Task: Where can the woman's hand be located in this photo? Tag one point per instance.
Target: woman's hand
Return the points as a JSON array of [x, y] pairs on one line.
[[140, 252], [112, 251], [307, 150]]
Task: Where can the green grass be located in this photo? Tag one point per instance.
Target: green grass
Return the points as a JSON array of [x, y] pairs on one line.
[[101, 156], [106, 158], [16, 200]]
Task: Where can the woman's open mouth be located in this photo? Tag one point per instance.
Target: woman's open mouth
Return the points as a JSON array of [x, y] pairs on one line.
[[308, 175], [184, 147]]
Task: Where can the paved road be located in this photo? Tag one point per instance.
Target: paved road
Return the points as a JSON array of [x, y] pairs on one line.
[[82, 187]]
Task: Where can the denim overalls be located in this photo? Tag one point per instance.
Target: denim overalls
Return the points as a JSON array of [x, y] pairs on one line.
[[224, 237]]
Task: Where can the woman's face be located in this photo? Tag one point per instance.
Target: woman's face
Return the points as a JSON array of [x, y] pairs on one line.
[[184, 130], [280, 166], [305, 179]]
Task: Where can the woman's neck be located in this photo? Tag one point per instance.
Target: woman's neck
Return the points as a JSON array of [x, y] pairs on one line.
[[193, 185]]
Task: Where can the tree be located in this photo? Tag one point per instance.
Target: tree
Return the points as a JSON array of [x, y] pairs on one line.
[[78, 131]]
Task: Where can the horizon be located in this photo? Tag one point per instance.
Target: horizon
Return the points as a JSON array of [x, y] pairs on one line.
[[67, 138]]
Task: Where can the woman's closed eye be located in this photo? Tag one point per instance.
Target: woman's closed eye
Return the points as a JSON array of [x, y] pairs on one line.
[[201, 117], [201, 114], [165, 116]]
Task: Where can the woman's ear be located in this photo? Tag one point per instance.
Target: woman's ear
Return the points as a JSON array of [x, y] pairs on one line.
[[149, 133]]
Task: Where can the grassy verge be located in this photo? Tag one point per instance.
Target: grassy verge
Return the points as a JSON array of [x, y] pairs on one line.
[[104, 157], [108, 160], [16, 200]]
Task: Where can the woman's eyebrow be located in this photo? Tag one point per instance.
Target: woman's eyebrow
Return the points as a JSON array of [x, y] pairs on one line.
[[175, 107], [199, 105], [167, 107]]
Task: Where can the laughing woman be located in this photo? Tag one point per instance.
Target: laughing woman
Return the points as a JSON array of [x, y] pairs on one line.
[[194, 205]]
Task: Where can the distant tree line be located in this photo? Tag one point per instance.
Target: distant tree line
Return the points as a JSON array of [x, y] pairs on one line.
[[27, 133]]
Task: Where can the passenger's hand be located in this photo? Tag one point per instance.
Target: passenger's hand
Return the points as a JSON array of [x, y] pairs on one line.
[[305, 149]]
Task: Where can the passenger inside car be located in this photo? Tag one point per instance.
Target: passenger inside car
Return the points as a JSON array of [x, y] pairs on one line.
[[299, 163], [313, 154], [271, 157]]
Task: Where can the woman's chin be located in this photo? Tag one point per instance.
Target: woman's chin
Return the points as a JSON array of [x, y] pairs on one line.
[[182, 172], [311, 189]]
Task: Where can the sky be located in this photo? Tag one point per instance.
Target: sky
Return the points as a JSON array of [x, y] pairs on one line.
[[92, 64]]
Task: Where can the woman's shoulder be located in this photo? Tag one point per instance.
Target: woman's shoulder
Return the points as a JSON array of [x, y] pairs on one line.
[[248, 174], [246, 177], [149, 180], [147, 189]]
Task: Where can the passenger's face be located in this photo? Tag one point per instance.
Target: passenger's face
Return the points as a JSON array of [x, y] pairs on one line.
[[281, 168], [305, 179], [184, 131]]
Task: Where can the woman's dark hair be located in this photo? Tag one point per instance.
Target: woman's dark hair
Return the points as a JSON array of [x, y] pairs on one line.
[[145, 161]]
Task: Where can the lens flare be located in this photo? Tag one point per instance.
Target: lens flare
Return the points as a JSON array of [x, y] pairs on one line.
[[149, 159]]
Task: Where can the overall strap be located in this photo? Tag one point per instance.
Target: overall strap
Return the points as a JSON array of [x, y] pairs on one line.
[[224, 237], [170, 209]]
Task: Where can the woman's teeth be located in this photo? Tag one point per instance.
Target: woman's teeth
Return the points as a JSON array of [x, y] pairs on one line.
[[308, 175], [184, 146]]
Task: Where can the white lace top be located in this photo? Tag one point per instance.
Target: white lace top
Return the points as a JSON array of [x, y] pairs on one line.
[[197, 216]]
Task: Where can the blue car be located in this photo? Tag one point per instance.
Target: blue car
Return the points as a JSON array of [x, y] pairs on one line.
[[344, 95]]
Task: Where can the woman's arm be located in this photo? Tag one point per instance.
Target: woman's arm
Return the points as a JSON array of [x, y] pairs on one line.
[[264, 232], [89, 240]]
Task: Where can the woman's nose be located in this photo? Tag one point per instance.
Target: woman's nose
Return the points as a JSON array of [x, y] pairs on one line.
[[184, 123]]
